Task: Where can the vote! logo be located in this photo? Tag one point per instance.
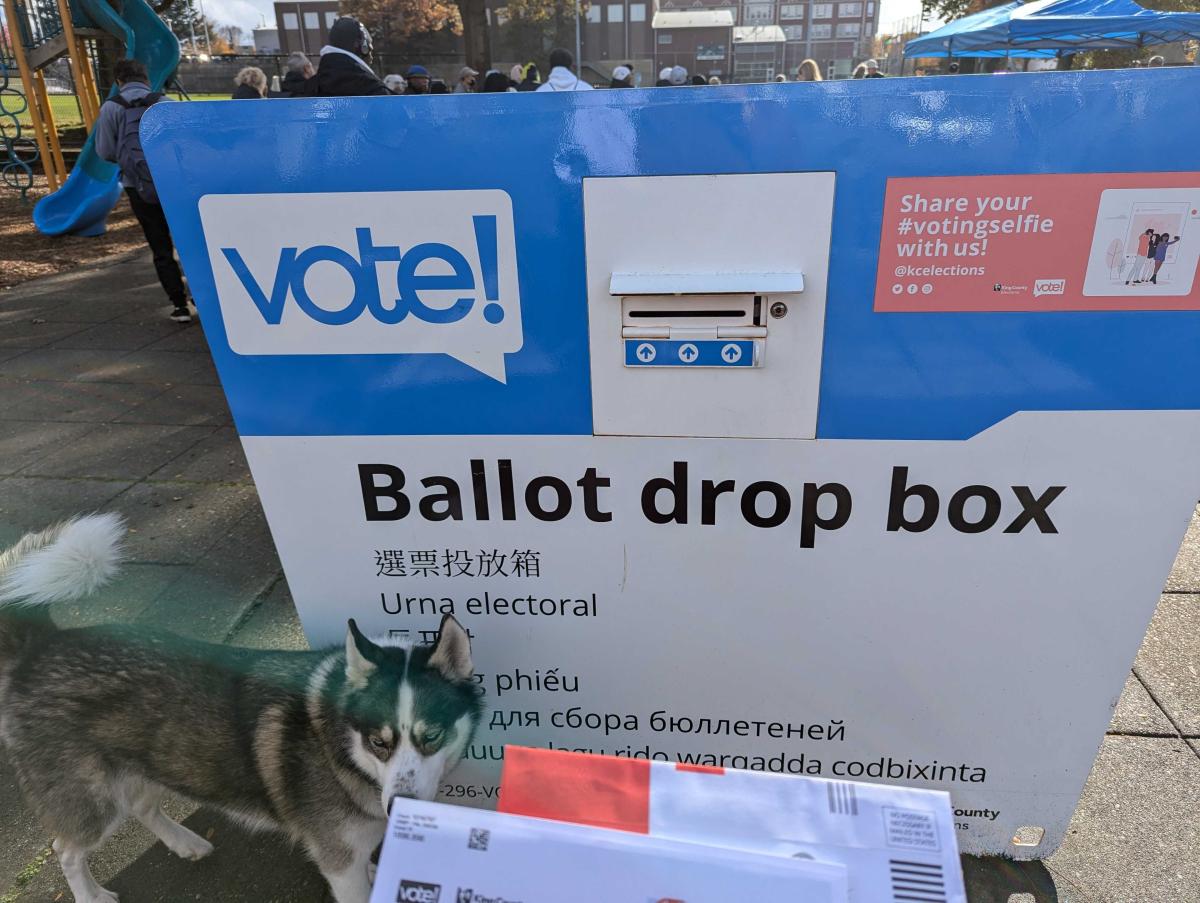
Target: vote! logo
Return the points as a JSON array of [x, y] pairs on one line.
[[406, 272]]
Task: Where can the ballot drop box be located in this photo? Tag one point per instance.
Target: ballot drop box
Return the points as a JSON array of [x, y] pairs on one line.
[[845, 430]]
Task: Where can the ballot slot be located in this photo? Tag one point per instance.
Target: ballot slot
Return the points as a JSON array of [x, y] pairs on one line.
[[666, 315], [711, 334], [693, 331]]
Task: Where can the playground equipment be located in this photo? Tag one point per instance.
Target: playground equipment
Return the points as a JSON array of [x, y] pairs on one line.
[[44, 30], [18, 153]]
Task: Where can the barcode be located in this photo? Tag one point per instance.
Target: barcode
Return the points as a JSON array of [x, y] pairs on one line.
[[920, 881], [842, 798], [479, 839]]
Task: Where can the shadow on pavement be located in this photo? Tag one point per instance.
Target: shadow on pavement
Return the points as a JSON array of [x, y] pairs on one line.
[[993, 879], [243, 868]]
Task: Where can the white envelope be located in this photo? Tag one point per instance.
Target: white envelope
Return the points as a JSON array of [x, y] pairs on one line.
[[897, 843], [435, 853]]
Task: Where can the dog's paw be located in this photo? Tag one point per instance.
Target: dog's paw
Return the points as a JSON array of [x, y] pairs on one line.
[[193, 847]]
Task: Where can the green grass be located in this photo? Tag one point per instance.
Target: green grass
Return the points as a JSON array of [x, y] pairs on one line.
[[65, 108]]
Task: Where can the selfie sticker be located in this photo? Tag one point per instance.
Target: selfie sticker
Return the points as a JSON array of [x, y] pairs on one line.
[[1040, 243]]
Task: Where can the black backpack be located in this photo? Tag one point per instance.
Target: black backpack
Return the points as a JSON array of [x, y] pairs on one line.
[[135, 172]]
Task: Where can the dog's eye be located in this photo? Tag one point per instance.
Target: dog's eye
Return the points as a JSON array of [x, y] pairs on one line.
[[377, 742], [432, 737]]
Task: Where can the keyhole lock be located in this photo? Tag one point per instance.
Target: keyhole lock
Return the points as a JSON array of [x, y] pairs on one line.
[[779, 310]]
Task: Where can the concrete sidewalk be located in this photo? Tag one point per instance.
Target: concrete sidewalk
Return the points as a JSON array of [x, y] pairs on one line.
[[106, 405]]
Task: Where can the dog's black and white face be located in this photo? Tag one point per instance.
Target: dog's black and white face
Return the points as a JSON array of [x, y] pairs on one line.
[[410, 712]]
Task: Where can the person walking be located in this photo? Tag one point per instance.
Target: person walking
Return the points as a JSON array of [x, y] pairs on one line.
[[251, 84], [299, 70], [467, 78], [561, 78], [118, 141], [344, 70]]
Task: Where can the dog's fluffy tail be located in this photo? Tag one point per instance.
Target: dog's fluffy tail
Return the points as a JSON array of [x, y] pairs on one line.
[[66, 561]]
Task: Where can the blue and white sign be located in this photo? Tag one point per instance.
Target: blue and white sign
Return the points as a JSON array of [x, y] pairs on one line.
[[682, 353], [364, 274], [604, 374]]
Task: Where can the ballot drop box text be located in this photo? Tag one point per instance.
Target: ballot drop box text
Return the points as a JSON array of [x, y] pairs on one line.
[[844, 429]]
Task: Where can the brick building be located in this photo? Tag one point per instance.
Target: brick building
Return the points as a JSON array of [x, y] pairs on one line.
[[748, 40], [304, 24], [739, 41]]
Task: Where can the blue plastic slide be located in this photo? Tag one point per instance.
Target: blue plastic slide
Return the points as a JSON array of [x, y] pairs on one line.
[[82, 204]]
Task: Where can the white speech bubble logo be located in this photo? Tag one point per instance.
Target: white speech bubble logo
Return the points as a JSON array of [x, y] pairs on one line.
[[397, 272], [1049, 287]]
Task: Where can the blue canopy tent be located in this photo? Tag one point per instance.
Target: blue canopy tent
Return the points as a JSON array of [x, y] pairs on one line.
[[984, 34], [1099, 25], [1050, 28]]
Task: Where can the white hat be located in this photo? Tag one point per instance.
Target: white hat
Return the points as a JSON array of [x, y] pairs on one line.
[[872, 64], [665, 74], [621, 73], [678, 75]]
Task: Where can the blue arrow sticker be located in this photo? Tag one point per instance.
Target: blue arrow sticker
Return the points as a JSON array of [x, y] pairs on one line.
[[689, 353]]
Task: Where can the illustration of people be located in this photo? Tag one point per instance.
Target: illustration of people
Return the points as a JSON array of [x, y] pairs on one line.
[[1160, 253], [1141, 262]]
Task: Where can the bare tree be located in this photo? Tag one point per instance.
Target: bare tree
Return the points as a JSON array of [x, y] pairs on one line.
[[232, 35]]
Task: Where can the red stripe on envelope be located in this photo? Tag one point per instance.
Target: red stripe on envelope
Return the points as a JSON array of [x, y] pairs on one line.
[[701, 769], [600, 791]]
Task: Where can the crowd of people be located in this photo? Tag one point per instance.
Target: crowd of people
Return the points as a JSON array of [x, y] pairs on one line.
[[344, 70]]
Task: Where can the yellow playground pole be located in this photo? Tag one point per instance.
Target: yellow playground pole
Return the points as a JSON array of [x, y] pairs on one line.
[[51, 128], [90, 77], [79, 63], [32, 98]]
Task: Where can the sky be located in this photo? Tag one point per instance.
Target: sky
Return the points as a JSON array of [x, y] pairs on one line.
[[248, 13], [245, 13]]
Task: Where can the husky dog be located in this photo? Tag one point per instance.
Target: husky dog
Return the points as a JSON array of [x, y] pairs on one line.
[[98, 722]]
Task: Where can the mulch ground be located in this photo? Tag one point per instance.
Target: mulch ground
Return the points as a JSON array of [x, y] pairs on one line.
[[25, 253]]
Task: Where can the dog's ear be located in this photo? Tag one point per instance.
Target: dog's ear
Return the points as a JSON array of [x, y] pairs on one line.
[[359, 666], [452, 652]]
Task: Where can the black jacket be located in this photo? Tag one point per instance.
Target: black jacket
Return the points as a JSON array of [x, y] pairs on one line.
[[293, 84], [340, 76], [245, 92]]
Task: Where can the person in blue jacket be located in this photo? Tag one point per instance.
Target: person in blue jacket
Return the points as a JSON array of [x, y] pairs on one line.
[[1160, 253]]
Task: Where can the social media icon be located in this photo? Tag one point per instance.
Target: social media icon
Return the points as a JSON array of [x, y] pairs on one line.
[[399, 272]]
